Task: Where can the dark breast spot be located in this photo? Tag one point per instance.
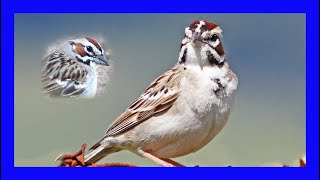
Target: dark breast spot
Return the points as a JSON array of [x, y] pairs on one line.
[[220, 86]]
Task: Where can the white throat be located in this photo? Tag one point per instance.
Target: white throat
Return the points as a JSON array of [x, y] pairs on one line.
[[92, 81], [202, 56]]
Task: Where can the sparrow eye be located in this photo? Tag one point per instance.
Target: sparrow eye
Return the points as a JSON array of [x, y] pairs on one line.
[[89, 48], [214, 37]]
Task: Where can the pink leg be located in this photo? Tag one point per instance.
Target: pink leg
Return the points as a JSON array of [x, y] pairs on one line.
[[173, 162], [155, 159]]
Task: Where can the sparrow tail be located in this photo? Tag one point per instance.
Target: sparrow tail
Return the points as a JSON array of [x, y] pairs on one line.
[[99, 153]]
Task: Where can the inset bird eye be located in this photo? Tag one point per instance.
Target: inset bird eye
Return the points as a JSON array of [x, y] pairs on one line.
[[89, 48]]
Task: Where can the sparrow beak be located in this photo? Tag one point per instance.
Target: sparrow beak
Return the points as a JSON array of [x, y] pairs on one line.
[[101, 59], [196, 39]]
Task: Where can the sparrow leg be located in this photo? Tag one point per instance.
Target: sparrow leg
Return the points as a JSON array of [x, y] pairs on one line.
[[170, 161], [155, 159]]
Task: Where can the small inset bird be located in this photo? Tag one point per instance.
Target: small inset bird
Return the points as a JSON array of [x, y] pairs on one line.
[[183, 109], [74, 69]]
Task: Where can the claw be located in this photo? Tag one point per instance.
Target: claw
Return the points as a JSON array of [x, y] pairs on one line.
[[77, 160]]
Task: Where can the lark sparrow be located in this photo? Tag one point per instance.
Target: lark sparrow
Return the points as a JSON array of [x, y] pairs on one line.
[[183, 109], [75, 69]]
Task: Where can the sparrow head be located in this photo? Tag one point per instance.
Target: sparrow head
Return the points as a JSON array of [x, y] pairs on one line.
[[87, 51], [202, 44]]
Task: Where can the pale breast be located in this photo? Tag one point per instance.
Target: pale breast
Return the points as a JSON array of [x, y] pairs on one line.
[[91, 84], [192, 122]]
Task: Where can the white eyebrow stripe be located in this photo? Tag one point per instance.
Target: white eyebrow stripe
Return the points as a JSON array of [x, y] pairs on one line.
[[217, 31], [208, 34]]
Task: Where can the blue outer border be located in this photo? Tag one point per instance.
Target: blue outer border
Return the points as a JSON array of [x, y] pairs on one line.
[[58, 6]]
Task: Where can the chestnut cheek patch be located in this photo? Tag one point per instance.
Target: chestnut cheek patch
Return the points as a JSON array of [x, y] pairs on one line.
[[219, 49], [79, 49]]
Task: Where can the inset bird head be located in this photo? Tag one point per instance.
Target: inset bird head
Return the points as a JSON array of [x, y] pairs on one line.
[[88, 50]]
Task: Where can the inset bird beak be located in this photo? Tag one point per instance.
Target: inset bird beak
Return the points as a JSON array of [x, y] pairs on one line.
[[101, 59]]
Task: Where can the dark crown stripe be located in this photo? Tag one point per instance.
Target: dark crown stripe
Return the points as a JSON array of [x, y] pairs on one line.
[[94, 43], [207, 26], [210, 25], [194, 25]]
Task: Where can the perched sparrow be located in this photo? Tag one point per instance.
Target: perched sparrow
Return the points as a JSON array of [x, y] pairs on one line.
[[183, 109], [73, 70]]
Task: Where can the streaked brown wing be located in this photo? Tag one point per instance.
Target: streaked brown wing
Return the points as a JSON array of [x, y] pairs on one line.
[[158, 97], [62, 76]]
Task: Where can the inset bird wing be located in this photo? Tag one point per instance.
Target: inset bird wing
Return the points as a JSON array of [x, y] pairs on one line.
[[158, 97], [63, 76]]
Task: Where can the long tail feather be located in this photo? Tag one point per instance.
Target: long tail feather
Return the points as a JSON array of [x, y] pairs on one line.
[[99, 153]]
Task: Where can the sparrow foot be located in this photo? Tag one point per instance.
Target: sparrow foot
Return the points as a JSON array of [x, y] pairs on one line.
[[77, 160]]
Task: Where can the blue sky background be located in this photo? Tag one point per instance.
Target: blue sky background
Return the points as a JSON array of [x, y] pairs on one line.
[[267, 51]]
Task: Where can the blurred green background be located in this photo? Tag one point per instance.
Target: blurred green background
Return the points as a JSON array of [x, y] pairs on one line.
[[267, 51]]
